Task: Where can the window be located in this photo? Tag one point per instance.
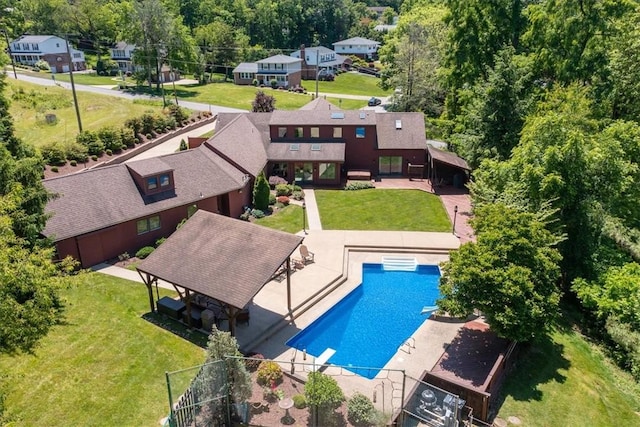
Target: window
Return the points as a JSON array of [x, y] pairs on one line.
[[152, 183], [327, 171], [148, 224], [164, 180], [315, 132], [246, 76], [299, 132], [337, 132], [191, 210], [359, 132], [282, 132]]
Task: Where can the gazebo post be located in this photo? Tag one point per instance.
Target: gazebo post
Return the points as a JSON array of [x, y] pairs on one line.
[[187, 297], [289, 284], [146, 279], [232, 312]]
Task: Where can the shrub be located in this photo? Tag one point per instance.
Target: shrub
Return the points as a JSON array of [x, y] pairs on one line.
[[183, 145], [254, 82], [77, 152], [128, 137], [111, 139], [43, 65], [278, 205], [295, 188], [94, 158], [283, 190], [261, 193], [275, 180], [299, 401], [147, 123], [160, 241], [298, 195], [123, 256], [272, 199], [135, 124], [54, 169], [53, 154], [269, 373], [359, 185], [324, 394], [254, 362], [73, 163], [245, 215], [283, 199], [144, 252], [273, 83], [257, 213], [179, 114], [91, 141], [360, 410], [149, 136], [109, 152]]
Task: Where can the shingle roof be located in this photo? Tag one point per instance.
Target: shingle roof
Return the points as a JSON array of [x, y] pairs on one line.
[[103, 197], [314, 49], [152, 166], [448, 158], [279, 59], [319, 104], [224, 258], [411, 134], [313, 152], [320, 117], [356, 41], [259, 120], [241, 142], [246, 67], [33, 38]]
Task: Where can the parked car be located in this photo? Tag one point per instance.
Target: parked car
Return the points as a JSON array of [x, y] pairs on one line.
[[374, 101]]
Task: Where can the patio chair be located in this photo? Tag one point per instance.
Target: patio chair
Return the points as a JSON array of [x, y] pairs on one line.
[[307, 255]]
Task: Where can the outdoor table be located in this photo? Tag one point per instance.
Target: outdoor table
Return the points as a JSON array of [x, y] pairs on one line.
[[286, 404]]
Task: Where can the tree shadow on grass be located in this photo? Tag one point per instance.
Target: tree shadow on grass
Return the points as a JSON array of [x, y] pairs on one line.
[[168, 92], [177, 328], [534, 364]]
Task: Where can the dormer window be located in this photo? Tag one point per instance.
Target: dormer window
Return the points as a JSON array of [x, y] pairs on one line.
[[164, 180]]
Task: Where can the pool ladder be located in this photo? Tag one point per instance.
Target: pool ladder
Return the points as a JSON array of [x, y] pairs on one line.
[[409, 344]]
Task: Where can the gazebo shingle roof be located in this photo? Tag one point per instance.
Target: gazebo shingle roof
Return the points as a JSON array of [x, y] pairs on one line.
[[226, 259]]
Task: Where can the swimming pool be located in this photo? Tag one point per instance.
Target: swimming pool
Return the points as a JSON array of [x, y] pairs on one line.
[[367, 327]]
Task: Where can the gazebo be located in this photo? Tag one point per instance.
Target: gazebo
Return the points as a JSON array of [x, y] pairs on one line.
[[445, 166], [224, 259]]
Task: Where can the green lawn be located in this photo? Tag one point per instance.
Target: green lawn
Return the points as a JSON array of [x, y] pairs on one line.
[[104, 366], [78, 78], [566, 381], [352, 84], [96, 111], [377, 209], [288, 219]]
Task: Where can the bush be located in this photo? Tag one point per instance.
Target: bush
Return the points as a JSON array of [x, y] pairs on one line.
[[42, 65], [283, 199], [360, 410], [144, 252], [272, 199], [109, 152], [257, 213], [94, 158], [273, 83], [147, 124], [73, 163], [298, 195], [128, 137], [149, 136], [91, 141], [77, 152], [283, 190], [245, 215], [135, 124], [54, 169], [278, 205], [53, 155], [160, 241], [324, 394], [254, 362], [123, 256], [359, 185], [111, 139], [299, 401], [275, 180], [255, 82], [269, 373], [183, 145]]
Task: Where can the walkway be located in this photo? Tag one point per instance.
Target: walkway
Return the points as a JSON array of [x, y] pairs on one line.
[[311, 207]]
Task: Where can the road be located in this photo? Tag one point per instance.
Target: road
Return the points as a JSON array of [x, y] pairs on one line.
[[196, 106]]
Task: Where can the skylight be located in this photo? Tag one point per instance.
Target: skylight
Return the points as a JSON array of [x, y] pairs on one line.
[[338, 115], [316, 147], [294, 147], [398, 124]]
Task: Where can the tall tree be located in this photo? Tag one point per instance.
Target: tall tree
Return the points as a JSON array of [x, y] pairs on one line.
[[510, 274]]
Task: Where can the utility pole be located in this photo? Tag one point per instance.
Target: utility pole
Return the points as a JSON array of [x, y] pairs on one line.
[[13, 63], [73, 86]]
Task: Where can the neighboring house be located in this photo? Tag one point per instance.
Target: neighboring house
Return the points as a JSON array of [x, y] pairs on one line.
[[328, 60], [101, 213], [359, 46], [285, 70], [122, 54], [384, 28], [29, 49]]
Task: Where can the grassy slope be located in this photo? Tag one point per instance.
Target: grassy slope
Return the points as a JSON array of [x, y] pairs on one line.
[[374, 209], [104, 366], [96, 111], [351, 83], [567, 381]]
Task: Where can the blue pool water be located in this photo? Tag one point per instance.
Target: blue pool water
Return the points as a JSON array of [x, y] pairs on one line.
[[368, 325]]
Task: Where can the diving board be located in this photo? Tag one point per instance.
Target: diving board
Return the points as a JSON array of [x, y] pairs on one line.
[[322, 360], [428, 309]]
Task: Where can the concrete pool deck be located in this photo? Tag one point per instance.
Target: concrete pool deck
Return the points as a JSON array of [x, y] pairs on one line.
[[337, 270]]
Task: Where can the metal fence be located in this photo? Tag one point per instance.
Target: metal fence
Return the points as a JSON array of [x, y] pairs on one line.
[[400, 399]]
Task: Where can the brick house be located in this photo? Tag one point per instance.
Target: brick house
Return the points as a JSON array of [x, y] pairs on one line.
[[320, 59], [101, 213], [29, 49]]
